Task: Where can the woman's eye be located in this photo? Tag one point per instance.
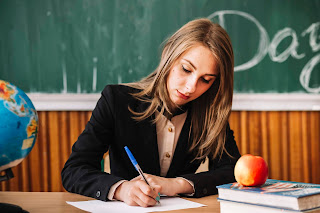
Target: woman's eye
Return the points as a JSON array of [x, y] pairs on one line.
[[205, 81], [185, 70]]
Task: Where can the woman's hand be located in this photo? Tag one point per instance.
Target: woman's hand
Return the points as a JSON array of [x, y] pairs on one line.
[[137, 193], [169, 186]]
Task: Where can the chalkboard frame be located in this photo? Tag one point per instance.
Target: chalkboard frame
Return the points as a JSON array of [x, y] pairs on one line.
[[241, 102]]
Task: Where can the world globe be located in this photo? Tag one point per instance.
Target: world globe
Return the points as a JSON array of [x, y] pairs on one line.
[[18, 125]]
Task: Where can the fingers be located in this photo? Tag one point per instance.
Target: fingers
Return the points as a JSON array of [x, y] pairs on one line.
[[157, 189], [137, 178], [144, 197], [151, 191], [155, 182], [140, 193]]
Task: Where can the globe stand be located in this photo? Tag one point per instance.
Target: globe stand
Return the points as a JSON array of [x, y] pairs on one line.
[[7, 207], [8, 175]]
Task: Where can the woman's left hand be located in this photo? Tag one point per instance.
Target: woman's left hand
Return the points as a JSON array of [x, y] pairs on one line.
[[169, 186]]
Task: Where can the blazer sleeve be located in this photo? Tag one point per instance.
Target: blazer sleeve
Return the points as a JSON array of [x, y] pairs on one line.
[[221, 170], [82, 172]]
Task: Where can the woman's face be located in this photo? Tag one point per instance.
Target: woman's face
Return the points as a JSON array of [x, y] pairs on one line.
[[191, 75]]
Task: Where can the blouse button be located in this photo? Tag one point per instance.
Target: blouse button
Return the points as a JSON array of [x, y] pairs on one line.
[[170, 129], [167, 155]]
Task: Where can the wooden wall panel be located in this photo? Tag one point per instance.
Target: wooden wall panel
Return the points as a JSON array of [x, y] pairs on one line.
[[42, 144], [306, 167], [288, 141], [54, 158], [295, 148], [274, 142], [314, 146], [284, 154]]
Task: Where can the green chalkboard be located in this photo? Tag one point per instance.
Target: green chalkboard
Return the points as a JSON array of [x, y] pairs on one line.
[[79, 46]]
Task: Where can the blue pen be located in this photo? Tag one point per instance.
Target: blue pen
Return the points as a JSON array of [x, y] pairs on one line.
[[136, 165]]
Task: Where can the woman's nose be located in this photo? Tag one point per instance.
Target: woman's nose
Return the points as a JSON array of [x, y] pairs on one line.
[[191, 85]]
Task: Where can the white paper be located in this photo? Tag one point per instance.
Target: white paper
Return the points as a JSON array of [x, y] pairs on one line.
[[167, 204]]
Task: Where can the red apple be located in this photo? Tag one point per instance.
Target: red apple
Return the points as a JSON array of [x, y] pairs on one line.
[[251, 170]]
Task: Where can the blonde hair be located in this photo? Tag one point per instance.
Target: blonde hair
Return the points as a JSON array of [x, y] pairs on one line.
[[210, 112]]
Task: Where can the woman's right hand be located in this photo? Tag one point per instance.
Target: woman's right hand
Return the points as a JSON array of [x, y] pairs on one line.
[[137, 193]]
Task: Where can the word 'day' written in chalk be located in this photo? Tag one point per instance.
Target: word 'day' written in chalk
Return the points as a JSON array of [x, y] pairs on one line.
[[270, 47]]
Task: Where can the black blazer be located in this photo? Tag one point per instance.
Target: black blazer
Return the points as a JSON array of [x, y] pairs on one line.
[[111, 128]]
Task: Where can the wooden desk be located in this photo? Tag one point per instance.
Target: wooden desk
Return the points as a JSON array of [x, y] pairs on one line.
[[35, 202]]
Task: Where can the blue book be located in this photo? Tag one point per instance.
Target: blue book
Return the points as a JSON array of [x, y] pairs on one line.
[[274, 193]]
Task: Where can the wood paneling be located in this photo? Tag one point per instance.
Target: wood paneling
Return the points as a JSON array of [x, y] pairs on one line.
[[288, 141]]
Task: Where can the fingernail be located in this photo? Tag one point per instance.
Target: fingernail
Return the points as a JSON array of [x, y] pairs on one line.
[[159, 194], [157, 198]]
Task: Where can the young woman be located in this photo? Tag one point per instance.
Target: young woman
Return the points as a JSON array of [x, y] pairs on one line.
[[171, 121]]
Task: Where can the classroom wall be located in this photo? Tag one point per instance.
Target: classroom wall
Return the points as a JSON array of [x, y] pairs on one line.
[[287, 140]]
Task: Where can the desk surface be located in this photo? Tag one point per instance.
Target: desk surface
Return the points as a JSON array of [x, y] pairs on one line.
[[56, 202]]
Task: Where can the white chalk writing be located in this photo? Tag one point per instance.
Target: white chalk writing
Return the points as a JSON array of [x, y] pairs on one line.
[[265, 46]]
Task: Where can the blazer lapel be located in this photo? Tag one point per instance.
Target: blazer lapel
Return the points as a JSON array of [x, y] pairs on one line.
[[149, 135], [181, 149]]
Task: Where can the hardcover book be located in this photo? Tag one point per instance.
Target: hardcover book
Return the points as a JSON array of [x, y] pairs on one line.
[[227, 206], [274, 193]]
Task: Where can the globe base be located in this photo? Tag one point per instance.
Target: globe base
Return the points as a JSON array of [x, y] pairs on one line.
[[10, 208], [8, 174]]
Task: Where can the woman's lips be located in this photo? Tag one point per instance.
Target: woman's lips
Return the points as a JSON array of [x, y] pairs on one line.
[[181, 95]]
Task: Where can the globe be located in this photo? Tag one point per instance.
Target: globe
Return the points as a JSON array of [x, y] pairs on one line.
[[18, 125]]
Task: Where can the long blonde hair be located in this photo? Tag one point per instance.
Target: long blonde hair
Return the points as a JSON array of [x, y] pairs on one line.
[[210, 112]]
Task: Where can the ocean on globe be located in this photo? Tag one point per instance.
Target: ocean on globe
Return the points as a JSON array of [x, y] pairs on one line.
[[18, 125]]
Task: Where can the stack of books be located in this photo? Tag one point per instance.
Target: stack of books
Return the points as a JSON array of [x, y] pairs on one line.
[[274, 196]]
